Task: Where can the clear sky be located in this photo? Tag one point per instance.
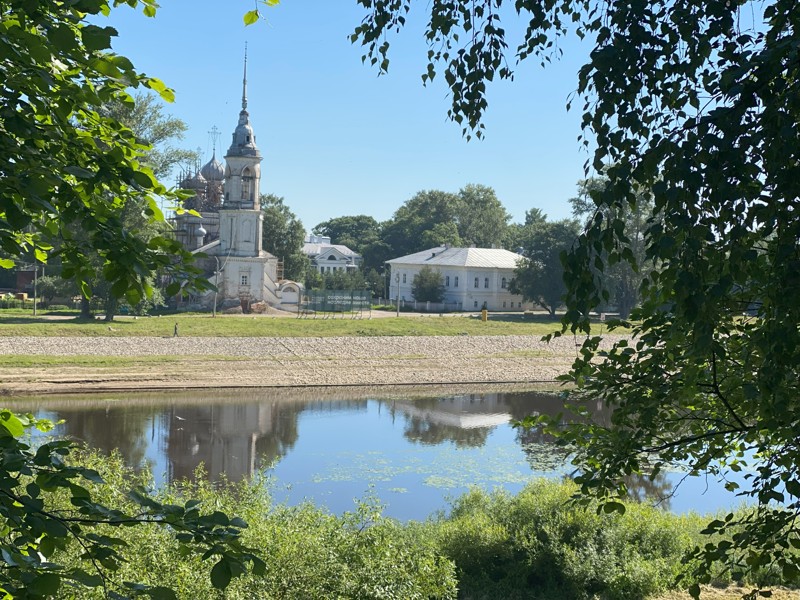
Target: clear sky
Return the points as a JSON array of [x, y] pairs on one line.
[[336, 138]]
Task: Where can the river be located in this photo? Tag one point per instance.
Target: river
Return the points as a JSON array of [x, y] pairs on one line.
[[411, 451]]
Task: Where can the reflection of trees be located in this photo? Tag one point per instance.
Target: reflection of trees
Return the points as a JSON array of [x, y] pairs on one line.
[[659, 489], [422, 431], [118, 427], [541, 449], [465, 419]]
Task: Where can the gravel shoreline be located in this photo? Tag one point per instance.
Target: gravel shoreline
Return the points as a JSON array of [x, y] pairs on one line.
[[198, 362]]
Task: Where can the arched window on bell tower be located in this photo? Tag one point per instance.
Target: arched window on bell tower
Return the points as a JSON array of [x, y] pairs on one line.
[[247, 185]]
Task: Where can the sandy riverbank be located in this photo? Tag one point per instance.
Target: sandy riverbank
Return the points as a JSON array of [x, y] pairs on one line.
[[196, 362]]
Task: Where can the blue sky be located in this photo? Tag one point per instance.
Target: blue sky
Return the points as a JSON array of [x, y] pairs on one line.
[[336, 138]]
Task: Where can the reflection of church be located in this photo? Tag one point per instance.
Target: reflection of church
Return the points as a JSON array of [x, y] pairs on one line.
[[229, 228]]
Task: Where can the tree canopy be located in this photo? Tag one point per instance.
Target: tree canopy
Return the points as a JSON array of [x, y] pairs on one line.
[[63, 160], [428, 285], [283, 236], [698, 102], [540, 275]]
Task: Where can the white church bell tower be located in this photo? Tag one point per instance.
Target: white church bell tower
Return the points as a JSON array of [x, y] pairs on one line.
[[241, 221]]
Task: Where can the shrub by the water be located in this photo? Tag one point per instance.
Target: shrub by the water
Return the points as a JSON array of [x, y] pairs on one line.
[[534, 545], [309, 553], [537, 545]]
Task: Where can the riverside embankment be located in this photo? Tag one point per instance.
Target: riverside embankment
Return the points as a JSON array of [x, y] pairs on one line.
[[85, 364]]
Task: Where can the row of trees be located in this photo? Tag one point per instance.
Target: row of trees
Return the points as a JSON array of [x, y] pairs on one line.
[[476, 216]]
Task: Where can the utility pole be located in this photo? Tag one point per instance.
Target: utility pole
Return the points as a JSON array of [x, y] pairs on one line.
[[216, 287]]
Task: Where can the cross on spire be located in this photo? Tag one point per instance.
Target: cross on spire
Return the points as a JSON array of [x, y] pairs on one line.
[[214, 134]]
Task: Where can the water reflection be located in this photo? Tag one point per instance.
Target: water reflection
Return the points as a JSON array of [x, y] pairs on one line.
[[330, 445]]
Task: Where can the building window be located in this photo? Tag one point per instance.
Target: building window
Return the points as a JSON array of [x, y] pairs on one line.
[[247, 185], [244, 280], [404, 277], [476, 282], [504, 304], [447, 281], [503, 283], [456, 282], [486, 282], [475, 304], [519, 304]]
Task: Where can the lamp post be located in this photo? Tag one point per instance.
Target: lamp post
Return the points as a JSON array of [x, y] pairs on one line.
[[397, 279], [216, 288]]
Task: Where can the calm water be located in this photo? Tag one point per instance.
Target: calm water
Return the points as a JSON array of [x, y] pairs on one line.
[[412, 452]]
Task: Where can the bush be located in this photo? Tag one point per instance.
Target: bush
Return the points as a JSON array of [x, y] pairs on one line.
[[538, 545], [309, 553]]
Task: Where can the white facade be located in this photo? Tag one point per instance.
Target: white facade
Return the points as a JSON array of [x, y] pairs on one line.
[[243, 272], [328, 258], [472, 276]]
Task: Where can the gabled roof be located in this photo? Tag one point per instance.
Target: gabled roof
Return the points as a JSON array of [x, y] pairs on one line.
[[493, 258], [314, 249]]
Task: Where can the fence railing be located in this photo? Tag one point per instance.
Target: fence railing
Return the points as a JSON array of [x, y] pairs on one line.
[[415, 306]]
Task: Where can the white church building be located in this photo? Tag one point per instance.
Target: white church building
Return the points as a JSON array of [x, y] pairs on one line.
[[229, 230], [472, 277]]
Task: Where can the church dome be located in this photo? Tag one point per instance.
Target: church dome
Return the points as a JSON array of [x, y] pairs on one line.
[[213, 170], [244, 140], [198, 182]]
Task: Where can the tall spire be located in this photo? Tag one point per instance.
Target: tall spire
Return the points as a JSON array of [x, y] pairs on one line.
[[244, 80]]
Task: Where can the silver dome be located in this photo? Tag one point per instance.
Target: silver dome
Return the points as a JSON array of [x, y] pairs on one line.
[[213, 170]]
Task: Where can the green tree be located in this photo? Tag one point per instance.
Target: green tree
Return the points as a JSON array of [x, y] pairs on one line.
[[428, 285], [68, 170], [39, 533], [540, 275], [352, 279], [698, 102], [283, 236], [155, 129], [622, 280], [413, 227], [356, 232], [482, 218]]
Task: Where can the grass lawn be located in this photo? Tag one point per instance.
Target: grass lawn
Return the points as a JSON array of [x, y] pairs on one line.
[[14, 323]]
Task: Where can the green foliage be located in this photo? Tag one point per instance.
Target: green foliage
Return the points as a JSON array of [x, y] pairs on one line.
[[482, 218], [283, 236], [540, 275], [356, 232], [428, 212], [307, 552], [434, 218], [623, 279], [59, 535], [344, 280], [145, 117], [539, 545], [70, 171], [699, 103], [428, 285]]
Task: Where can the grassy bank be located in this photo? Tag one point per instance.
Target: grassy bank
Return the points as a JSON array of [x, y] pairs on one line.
[[533, 546], [203, 325]]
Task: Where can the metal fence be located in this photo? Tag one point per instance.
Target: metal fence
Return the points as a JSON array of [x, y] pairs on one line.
[[413, 305]]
